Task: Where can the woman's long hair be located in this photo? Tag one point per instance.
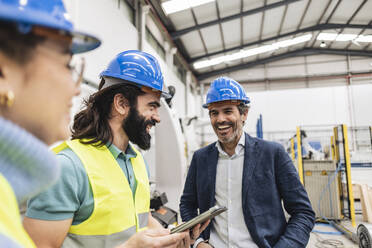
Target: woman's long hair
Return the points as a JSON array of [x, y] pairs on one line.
[[92, 123]]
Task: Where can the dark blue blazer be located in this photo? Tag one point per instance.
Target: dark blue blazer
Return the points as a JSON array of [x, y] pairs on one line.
[[269, 177]]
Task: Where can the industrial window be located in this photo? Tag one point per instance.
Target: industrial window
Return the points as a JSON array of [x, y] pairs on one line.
[[179, 69], [154, 43]]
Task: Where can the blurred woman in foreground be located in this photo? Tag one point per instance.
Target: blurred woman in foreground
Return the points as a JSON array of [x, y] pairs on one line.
[[37, 85]]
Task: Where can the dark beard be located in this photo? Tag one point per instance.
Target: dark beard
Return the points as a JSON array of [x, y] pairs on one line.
[[135, 127]]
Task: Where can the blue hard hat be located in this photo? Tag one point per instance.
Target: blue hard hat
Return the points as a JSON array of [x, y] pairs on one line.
[[140, 68], [45, 13], [225, 89]]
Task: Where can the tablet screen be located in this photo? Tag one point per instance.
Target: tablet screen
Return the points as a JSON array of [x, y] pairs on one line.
[[212, 212]]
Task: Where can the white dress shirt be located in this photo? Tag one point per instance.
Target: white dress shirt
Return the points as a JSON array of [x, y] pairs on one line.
[[229, 229]]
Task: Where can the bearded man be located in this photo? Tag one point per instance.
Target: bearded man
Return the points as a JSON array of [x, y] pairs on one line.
[[102, 198]]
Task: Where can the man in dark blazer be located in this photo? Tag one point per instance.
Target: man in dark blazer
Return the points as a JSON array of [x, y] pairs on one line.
[[250, 176]]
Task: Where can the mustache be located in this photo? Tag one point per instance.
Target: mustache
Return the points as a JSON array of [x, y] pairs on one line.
[[149, 122]]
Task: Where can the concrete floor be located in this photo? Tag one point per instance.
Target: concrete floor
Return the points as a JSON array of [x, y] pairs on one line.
[[315, 238], [338, 240]]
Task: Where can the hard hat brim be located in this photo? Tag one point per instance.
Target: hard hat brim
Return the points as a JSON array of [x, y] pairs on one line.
[[118, 79], [83, 42], [205, 105]]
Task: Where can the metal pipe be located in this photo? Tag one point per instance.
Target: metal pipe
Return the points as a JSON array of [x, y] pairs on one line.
[[349, 234]]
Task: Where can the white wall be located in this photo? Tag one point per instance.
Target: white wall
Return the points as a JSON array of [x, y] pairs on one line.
[[112, 24]]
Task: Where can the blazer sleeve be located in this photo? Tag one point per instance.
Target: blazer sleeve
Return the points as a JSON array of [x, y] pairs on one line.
[[189, 204], [296, 203]]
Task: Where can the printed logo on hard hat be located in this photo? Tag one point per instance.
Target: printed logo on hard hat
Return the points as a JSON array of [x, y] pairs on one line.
[[236, 88], [228, 94], [142, 65]]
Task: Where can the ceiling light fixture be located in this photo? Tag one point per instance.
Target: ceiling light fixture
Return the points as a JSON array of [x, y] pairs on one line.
[[174, 6], [326, 36], [323, 44], [251, 52], [364, 38], [344, 37]]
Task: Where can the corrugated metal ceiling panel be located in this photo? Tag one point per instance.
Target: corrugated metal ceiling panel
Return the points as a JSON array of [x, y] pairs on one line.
[[345, 10], [182, 19], [364, 15], [252, 4], [314, 13], [251, 27], [205, 13], [293, 17], [231, 33], [272, 22], [212, 38], [228, 7], [193, 44]]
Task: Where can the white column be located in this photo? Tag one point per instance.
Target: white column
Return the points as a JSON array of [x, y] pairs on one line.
[[187, 92], [143, 11]]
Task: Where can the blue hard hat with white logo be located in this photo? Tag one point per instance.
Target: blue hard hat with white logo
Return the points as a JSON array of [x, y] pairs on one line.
[[225, 89], [137, 67], [46, 13]]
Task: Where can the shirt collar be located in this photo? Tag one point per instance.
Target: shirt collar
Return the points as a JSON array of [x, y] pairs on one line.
[[115, 151]]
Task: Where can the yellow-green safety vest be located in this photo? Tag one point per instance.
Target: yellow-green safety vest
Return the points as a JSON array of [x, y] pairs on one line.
[[116, 215], [10, 219]]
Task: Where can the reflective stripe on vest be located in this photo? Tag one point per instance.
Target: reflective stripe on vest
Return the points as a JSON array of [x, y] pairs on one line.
[[10, 219], [115, 216]]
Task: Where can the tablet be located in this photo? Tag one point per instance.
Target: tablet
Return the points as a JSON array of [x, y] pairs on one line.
[[212, 212]]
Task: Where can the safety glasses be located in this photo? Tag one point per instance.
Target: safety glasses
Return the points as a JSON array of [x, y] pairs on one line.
[[77, 67]]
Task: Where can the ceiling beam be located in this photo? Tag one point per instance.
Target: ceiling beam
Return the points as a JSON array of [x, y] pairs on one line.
[[179, 33], [317, 27], [299, 52]]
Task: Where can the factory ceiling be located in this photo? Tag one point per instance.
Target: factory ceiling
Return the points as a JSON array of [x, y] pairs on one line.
[[222, 36]]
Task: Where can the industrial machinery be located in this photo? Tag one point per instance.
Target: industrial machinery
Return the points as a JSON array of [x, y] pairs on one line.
[[323, 182], [324, 193], [323, 178], [163, 214]]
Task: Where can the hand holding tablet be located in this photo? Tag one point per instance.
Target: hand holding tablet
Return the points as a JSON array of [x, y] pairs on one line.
[[211, 213]]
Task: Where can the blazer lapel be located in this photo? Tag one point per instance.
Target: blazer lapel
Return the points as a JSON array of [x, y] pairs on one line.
[[212, 159], [250, 156]]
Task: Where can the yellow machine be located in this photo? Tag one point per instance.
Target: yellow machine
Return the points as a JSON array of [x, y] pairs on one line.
[[323, 178]]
